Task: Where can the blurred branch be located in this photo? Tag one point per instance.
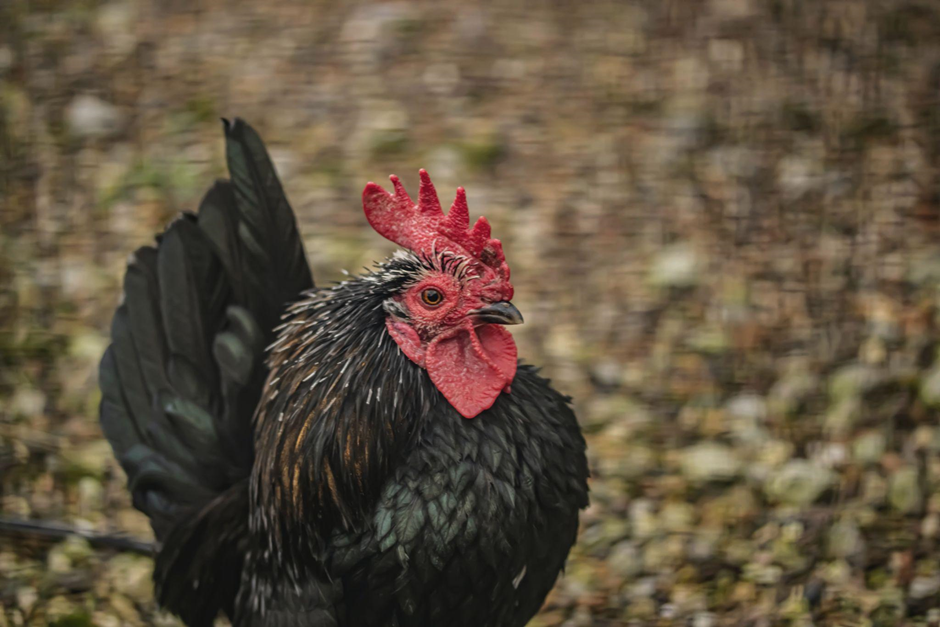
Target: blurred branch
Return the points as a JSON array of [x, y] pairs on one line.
[[118, 541]]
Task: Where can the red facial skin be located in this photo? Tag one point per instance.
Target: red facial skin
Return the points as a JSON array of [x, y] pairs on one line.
[[470, 362]]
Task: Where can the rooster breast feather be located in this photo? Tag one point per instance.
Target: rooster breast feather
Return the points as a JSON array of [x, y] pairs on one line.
[[473, 528]]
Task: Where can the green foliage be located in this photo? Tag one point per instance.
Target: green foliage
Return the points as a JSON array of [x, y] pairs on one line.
[[387, 144], [202, 109], [484, 154], [80, 618]]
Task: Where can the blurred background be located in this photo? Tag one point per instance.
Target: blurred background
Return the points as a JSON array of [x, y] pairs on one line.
[[722, 216]]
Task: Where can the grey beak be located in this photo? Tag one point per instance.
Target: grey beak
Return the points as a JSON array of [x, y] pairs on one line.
[[502, 312]]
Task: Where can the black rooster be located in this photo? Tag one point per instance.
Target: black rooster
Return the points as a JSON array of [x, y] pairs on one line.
[[339, 482]]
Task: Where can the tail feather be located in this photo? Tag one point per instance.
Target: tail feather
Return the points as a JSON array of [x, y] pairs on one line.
[[133, 387], [239, 350], [192, 309], [117, 420], [200, 565], [220, 224], [142, 298], [185, 369], [269, 241]]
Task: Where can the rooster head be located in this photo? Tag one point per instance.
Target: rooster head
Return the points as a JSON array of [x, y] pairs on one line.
[[450, 313]]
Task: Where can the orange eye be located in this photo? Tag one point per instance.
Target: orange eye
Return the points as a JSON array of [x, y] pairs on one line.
[[432, 297]]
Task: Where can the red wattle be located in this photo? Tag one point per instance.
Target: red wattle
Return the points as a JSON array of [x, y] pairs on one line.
[[472, 366], [469, 366]]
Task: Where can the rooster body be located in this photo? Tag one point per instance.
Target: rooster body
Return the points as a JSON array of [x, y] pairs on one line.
[[335, 479]]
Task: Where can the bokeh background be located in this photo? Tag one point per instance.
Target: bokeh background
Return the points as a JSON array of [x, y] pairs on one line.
[[722, 216]]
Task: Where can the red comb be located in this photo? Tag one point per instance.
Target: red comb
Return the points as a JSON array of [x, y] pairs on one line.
[[419, 227]]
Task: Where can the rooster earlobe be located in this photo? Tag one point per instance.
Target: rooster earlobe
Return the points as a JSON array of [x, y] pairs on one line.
[[407, 340]]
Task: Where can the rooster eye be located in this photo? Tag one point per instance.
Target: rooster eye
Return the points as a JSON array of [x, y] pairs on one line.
[[432, 297]]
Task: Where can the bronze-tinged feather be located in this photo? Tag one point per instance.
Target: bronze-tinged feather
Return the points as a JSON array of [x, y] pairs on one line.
[[340, 406], [298, 444], [296, 492], [331, 483], [287, 465]]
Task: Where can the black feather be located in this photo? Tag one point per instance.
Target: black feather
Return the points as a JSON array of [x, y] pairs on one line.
[[269, 243], [185, 370], [332, 485]]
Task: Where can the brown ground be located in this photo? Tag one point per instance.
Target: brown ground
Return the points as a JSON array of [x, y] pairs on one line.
[[722, 218]]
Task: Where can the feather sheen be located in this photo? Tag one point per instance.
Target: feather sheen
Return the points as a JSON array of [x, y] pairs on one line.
[[296, 466], [185, 369]]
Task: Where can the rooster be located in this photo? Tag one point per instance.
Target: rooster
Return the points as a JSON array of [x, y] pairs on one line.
[[363, 454]]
